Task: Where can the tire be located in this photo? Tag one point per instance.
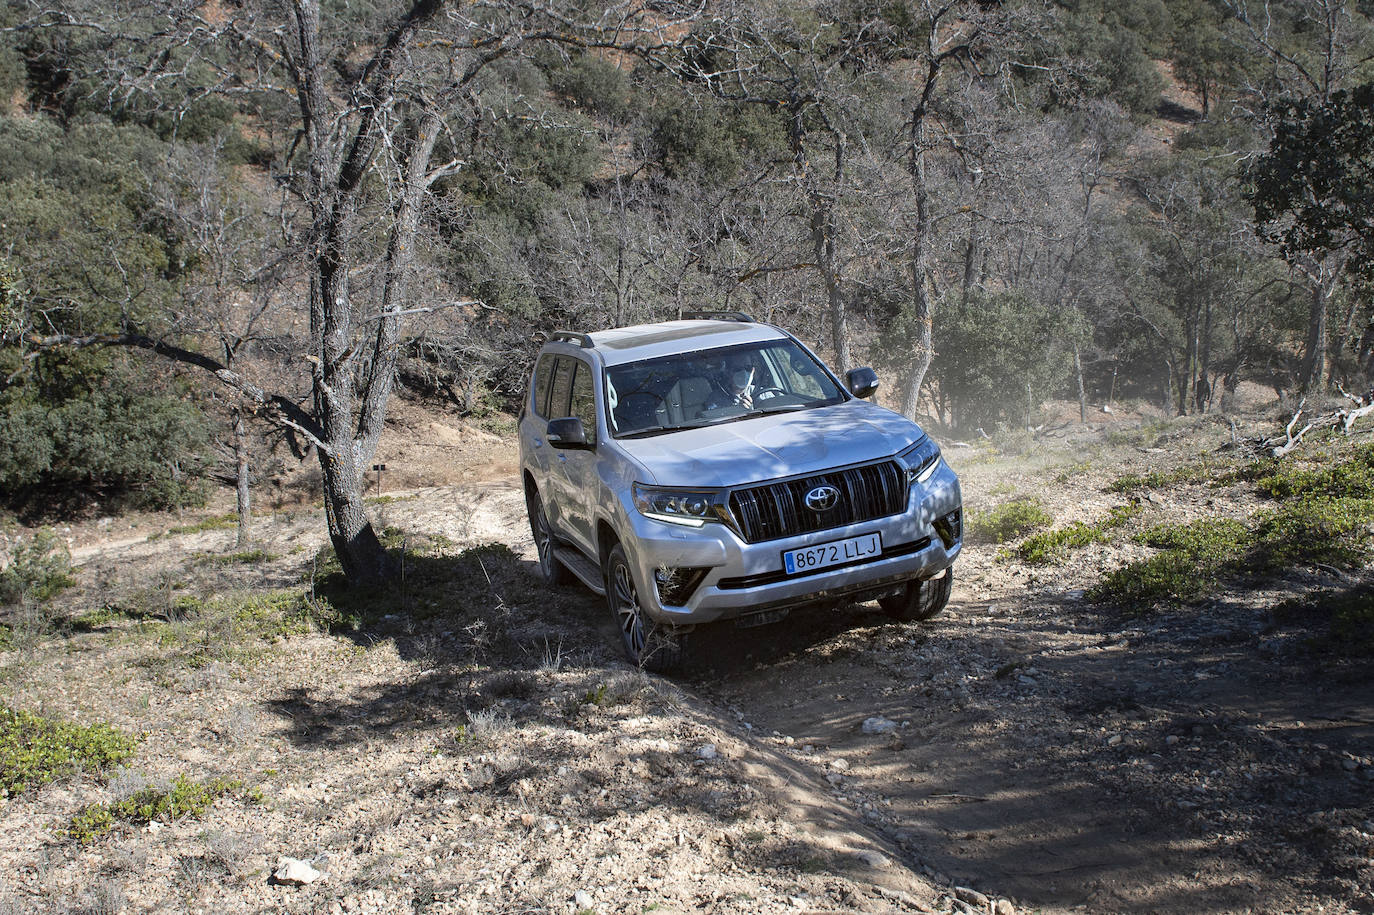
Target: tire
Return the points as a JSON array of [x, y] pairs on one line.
[[921, 599], [648, 644], [554, 573]]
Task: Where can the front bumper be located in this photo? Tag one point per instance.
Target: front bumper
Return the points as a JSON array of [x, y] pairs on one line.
[[710, 573]]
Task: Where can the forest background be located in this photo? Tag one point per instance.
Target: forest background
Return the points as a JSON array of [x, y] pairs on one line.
[[228, 229]]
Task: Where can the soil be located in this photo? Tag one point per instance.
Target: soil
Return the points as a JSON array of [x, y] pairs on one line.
[[486, 749]]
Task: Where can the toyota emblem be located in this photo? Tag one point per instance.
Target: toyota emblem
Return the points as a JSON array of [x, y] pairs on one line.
[[822, 498]]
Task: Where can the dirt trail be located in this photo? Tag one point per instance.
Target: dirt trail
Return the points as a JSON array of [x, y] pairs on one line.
[[1058, 754], [1026, 743]]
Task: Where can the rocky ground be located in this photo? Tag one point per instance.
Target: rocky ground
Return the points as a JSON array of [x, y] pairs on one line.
[[477, 745]]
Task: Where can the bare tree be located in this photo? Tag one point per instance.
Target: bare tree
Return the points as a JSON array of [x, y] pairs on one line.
[[370, 111]]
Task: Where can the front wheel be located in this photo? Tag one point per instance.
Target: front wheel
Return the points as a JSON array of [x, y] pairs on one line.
[[920, 600], [648, 644], [551, 570]]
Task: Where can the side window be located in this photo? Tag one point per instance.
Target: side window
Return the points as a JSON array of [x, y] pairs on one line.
[[543, 378], [584, 400], [562, 389]]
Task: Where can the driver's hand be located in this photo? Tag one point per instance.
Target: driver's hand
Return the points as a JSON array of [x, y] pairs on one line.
[[744, 400]]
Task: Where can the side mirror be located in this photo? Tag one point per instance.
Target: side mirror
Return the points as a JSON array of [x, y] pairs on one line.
[[566, 433], [862, 382]]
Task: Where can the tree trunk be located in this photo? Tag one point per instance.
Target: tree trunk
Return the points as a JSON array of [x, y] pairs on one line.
[[922, 316], [381, 373], [1314, 350], [1082, 391], [337, 167], [242, 491], [1202, 389], [1338, 344]]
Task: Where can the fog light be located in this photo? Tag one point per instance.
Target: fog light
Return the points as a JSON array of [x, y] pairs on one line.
[[950, 527], [677, 584]]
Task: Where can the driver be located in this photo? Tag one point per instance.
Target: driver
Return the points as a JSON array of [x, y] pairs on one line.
[[738, 383]]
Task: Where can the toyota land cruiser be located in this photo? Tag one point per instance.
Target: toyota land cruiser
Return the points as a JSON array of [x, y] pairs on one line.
[[713, 468]]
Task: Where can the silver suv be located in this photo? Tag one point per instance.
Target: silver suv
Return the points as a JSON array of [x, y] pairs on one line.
[[713, 468]]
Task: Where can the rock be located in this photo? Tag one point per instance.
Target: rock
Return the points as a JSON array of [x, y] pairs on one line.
[[879, 725], [874, 859], [1026, 681], [840, 764], [1171, 740], [1004, 907], [972, 897], [1114, 740], [707, 751], [583, 899], [1349, 764], [295, 872]]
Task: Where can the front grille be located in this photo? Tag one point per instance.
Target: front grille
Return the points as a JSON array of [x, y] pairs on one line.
[[777, 510]]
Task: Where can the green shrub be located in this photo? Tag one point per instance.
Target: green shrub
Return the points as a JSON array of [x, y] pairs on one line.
[[1193, 557], [1350, 478], [113, 445], [235, 626], [1009, 520], [38, 569], [1049, 546], [36, 750], [182, 798], [1205, 472], [1314, 529]]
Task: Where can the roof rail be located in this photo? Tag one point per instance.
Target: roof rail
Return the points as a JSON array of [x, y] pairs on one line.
[[717, 316], [571, 336]]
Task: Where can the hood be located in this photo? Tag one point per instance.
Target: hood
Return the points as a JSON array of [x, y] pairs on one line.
[[779, 445]]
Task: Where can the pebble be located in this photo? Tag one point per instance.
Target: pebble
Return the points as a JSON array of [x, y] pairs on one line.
[[971, 896], [1114, 740], [1171, 740], [879, 725], [296, 872], [840, 764], [707, 751], [1349, 765], [583, 899], [874, 859], [1004, 907]]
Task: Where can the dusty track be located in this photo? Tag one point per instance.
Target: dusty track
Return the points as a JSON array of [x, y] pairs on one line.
[[1047, 752]]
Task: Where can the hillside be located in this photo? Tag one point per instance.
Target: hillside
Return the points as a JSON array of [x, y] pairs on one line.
[[476, 744]]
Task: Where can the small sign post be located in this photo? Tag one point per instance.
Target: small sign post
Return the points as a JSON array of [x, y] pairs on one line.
[[379, 468]]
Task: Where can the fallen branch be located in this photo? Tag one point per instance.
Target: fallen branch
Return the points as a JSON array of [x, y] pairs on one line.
[[1343, 419]]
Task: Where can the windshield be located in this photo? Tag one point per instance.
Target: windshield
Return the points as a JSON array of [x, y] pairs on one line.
[[705, 387]]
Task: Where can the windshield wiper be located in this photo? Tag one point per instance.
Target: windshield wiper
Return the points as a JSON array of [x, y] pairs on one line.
[[660, 430]]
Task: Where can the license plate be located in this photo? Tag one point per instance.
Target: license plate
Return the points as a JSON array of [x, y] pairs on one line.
[[833, 553]]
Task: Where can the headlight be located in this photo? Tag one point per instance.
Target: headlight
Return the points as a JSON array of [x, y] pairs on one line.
[[690, 507], [921, 459]]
